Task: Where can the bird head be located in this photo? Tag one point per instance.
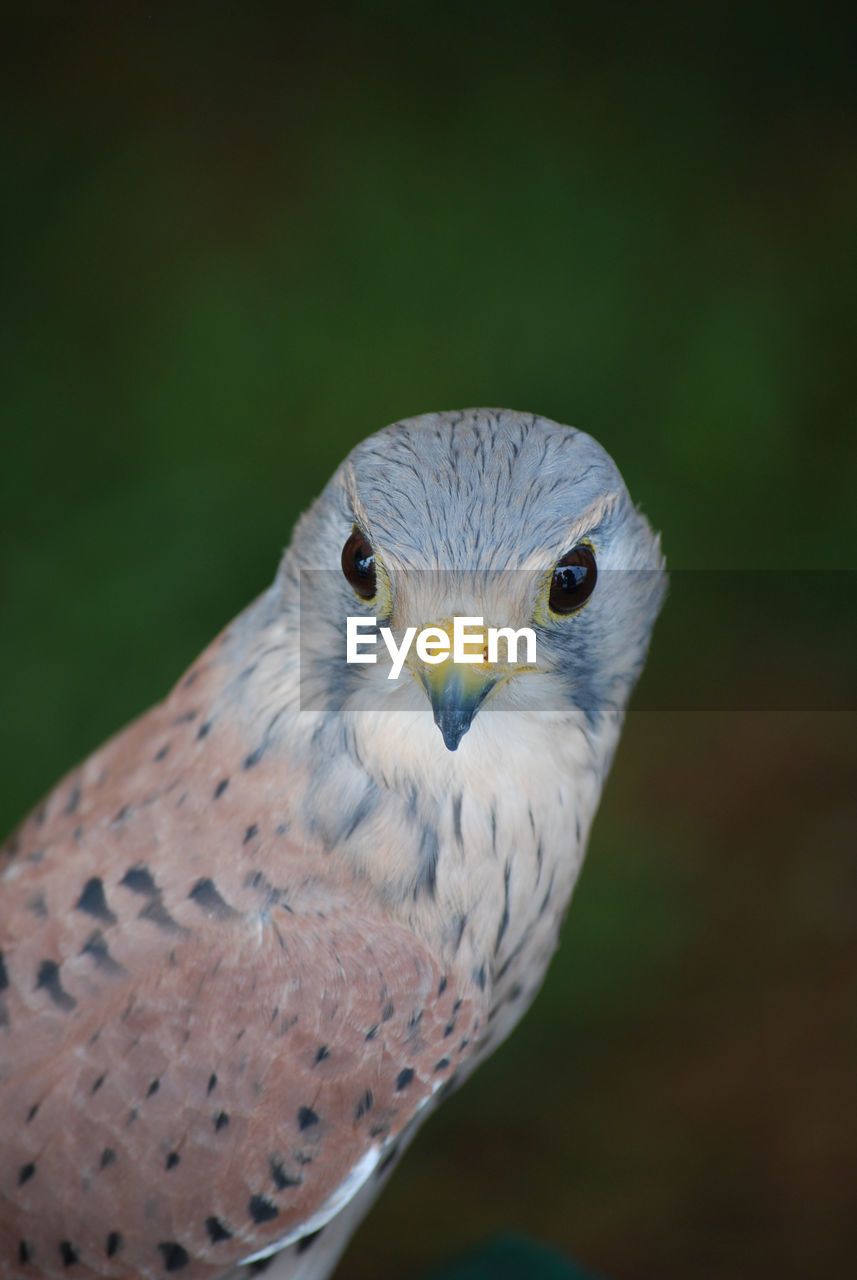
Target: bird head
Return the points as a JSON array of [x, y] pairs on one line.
[[501, 519]]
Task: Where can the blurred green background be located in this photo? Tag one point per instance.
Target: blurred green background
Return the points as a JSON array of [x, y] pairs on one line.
[[238, 238]]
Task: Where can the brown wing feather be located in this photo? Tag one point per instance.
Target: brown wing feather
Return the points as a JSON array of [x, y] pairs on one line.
[[205, 1024]]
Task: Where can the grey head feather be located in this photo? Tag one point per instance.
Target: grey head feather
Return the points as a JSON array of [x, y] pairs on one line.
[[482, 488]]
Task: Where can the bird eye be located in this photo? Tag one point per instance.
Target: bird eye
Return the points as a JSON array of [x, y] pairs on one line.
[[358, 564], [573, 580]]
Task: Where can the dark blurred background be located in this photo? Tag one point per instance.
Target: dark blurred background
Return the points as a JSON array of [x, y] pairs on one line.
[[236, 240]]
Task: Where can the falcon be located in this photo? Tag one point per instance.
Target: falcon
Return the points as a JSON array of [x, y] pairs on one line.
[[251, 942]]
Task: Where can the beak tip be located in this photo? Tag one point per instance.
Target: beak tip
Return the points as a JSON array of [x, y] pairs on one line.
[[455, 703], [452, 730]]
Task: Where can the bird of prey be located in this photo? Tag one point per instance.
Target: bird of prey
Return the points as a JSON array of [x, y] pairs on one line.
[[249, 944]]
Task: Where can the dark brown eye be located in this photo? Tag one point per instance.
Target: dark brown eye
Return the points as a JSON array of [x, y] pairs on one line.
[[358, 564], [573, 580]]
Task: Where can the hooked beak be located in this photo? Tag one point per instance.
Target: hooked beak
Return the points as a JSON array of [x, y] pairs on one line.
[[456, 692]]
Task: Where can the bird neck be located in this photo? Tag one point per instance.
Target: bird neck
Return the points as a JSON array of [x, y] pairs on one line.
[[457, 845]]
